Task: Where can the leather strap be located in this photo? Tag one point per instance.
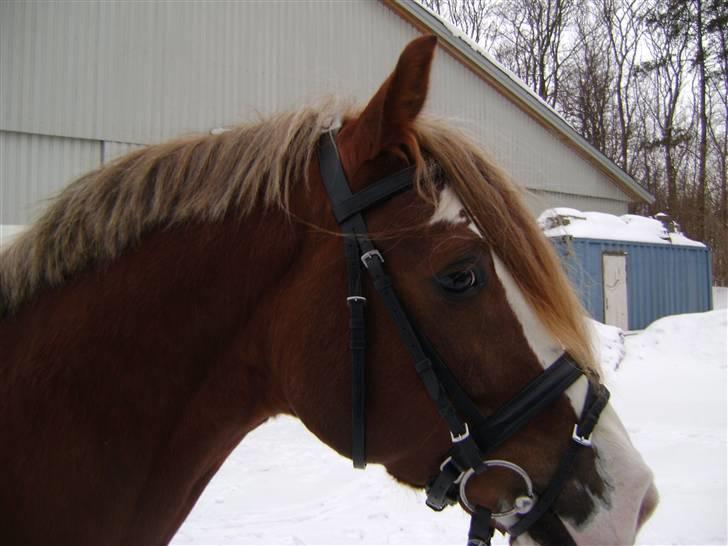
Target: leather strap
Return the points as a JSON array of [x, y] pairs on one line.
[[488, 433], [348, 209], [540, 393], [423, 362], [338, 189], [373, 194], [481, 530], [596, 400]]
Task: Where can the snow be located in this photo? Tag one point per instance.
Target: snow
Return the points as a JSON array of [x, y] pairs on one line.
[[671, 390], [561, 221], [668, 382], [609, 344], [283, 486]]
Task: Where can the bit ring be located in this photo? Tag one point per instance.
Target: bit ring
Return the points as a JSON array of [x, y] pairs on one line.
[[522, 504]]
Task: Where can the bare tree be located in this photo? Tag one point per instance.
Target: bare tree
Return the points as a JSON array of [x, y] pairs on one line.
[[666, 72], [533, 42], [624, 28], [719, 120], [473, 17], [700, 62], [717, 30], [588, 86], [694, 23]]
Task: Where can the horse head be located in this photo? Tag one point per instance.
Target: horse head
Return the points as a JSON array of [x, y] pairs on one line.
[[481, 289]]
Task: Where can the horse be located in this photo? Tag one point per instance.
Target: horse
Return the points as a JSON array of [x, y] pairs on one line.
[[169, 302]]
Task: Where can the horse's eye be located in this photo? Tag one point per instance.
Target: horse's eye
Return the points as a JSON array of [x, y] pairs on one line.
[[460, 282]]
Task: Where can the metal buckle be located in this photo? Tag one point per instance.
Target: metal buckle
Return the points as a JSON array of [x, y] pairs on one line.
[[352, 299], [369, 254], [581, 440], [461, 437], [445, 463]]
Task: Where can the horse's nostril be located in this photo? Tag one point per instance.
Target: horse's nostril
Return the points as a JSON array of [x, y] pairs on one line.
[[649, 503]]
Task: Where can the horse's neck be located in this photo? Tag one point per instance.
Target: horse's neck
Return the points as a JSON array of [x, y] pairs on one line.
[[142, 375]]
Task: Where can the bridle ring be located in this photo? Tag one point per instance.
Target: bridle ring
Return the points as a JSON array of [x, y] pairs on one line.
[[522, 504]]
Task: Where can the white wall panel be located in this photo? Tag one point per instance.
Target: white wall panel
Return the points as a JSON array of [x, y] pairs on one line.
[[9, 233], [34, 168], [145, 71], [112, 150], [531, 154], [539, 201], [142, 72]]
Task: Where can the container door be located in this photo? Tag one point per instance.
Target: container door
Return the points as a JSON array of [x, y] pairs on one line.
[[615, 290]]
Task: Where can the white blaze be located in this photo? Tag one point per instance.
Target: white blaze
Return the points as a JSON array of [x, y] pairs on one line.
[[618, 463], [450, 210], [542, 343]]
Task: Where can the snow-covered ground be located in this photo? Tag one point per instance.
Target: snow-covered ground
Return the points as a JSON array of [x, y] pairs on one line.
[[283, 486]]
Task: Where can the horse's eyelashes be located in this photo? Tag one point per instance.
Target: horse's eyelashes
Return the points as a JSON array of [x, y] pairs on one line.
[[460, 281], [464, 280]]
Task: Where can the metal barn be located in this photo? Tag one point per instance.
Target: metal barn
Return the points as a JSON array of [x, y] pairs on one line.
[[82, 82], [631, 283]]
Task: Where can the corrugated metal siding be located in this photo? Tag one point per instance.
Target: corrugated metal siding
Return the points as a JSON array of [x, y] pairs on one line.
[[34, 167], [528, 152], [661, 279], [539, 201], [8, 233], [112, 150], [142, 72], [148, 71]]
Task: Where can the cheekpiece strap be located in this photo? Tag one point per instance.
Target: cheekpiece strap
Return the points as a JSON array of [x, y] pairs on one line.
[[481, 528]]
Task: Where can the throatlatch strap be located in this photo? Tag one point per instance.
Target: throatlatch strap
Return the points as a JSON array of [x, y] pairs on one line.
[[348, 208], [357, 344], [338, 190]]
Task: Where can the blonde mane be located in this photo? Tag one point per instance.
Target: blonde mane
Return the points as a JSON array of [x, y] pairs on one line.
[[196, 178], [202, 178], [495, 204]]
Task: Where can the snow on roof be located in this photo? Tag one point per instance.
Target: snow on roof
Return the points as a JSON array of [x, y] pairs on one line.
[[561, 221]]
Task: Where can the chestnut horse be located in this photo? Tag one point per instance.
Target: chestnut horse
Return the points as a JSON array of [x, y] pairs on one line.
[[170, 302]]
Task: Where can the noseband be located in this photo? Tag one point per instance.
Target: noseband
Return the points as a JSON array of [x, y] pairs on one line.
[[474, 436]]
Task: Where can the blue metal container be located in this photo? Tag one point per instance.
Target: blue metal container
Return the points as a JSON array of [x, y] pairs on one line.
[[661, 279]]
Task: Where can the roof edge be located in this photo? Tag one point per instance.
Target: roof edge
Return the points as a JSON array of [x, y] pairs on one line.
[[422, 18]]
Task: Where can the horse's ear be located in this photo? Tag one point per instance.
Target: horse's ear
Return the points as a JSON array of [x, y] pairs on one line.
[[386, 122]]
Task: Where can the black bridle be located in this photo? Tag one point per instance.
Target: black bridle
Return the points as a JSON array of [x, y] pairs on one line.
[[473, 435]]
